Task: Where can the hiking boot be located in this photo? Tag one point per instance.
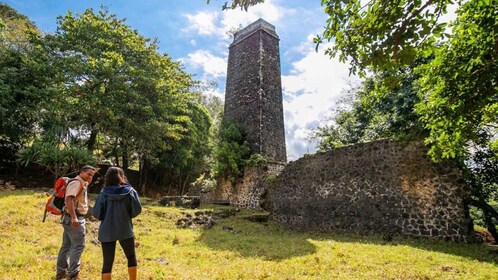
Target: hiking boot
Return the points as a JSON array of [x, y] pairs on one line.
[[61, 276]]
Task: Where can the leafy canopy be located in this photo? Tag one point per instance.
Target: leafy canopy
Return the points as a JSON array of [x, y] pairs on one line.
[[459, 88]]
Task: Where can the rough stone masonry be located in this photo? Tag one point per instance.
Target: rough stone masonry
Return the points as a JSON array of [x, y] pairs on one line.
[[378, 187], [253, 97]]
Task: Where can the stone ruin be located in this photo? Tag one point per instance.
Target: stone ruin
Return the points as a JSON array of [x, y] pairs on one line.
[[384, 187]]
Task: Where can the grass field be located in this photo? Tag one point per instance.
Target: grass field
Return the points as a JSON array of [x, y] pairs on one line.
[[28, 249]]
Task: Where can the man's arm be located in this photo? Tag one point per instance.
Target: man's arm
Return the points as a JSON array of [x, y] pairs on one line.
[[71, 210]]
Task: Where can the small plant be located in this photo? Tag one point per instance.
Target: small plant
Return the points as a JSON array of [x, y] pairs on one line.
[[270, 179], [257, 160], [206, 183], [176, 240]]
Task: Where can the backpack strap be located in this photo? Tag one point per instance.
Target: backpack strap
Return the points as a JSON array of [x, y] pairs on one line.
[[81, 184], [81, 189]]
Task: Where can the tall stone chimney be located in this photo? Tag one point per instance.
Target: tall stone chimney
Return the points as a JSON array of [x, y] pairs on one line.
[[253, 98]]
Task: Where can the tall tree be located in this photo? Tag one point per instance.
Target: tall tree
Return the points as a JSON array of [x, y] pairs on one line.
[[117, 85], [116, 81], [23, 87]]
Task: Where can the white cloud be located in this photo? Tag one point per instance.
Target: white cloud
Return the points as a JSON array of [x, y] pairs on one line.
[[212, 66], [311, 89], [203, 23], [220, 25]]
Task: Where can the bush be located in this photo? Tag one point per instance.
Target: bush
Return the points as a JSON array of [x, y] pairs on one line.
[[56, 159]]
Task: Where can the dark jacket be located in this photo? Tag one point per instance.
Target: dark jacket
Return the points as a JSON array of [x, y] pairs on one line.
[[115, 207]]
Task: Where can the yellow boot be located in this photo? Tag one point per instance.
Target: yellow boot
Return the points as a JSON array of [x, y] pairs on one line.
[[132, 273], [106, 276]]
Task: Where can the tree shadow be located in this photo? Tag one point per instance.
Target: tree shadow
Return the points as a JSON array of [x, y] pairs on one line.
[[273, 242], [266, 241], [479, 252]]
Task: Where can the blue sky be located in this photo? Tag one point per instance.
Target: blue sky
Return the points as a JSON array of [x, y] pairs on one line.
[[197, 35]]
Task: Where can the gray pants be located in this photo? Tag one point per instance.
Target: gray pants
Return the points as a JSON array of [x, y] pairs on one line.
[[73, 243]]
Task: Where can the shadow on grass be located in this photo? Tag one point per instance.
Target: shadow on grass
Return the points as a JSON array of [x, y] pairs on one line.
[[479, 252], [268, 242], [273, 242]]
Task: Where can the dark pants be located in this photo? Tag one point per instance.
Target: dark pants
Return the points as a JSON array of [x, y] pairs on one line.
[[109, 251]]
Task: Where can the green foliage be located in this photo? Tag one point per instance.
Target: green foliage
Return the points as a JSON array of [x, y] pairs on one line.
[[256, 160], [381, 107], [232, 151], [206, 182], [242, 4], [54, 158], [270, 179], [459, 87], [381, 35], [23, 88], [16, 29], [187, 157], [105, 83], [116, 88]]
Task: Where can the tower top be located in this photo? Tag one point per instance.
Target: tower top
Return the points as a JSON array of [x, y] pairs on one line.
[[260, 24]]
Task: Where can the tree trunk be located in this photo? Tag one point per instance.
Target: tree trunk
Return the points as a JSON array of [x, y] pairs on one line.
[[489, 214], [184, 183], [491, 226], [143, 175], [179, 183], [124, 149], [116, 153], [93, 139]]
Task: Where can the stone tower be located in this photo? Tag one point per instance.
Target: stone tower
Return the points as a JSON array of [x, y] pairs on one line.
[[253, 98]]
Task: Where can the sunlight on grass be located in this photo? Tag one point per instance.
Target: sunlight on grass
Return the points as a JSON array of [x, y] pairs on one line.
[[247, 251]]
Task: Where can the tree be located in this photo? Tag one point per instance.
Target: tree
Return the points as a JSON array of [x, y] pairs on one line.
[[111, 73], [23, 85], [113, 91], [383, 106], [232, 150], [186, 160], [460, 86], [382, 35], [99, 57]]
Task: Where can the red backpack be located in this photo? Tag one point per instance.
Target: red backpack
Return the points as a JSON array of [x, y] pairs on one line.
[[57, 201]]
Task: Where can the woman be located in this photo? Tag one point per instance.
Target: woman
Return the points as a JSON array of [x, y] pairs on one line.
[[116, 205]]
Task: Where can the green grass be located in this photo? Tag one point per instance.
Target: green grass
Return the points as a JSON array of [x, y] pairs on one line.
[[254, 251]]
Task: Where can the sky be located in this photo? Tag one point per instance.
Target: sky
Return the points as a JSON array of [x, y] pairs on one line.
[[197, 34]]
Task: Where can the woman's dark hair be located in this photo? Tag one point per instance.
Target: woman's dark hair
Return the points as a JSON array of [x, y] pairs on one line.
[[114, 177]]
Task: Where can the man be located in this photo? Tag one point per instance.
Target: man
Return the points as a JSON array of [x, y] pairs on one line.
[[73, 221]]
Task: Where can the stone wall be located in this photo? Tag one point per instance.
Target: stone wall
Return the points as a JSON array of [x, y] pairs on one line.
[[247, 192], [377, 187]]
